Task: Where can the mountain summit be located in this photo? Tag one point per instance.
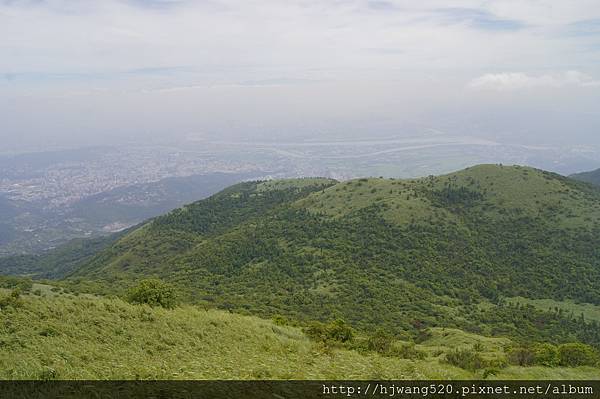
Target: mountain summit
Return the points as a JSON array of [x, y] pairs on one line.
[[399, 254]]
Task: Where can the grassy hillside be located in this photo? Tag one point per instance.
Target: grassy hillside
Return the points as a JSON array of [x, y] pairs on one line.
[[592, 177], [406, 256], [61, 336]]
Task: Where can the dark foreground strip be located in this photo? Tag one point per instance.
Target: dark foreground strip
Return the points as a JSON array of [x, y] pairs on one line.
[[297, 389]]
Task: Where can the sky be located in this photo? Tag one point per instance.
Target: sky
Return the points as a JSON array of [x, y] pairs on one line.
[[81, 72]]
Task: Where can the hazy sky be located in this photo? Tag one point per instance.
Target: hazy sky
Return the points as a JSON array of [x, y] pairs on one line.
[[87, 71]]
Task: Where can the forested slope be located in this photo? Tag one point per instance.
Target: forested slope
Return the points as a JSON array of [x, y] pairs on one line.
[[399, 254]]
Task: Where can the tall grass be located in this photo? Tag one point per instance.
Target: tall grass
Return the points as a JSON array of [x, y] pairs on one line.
[[62, 337]]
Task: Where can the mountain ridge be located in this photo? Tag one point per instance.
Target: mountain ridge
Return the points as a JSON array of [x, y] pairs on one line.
[[332, 248], [402, 255], [592, 177]]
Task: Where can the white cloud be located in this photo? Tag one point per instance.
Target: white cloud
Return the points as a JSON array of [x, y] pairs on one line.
[[519, 80]]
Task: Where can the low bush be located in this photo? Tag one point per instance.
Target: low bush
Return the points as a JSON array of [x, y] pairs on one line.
[[20, 283], [153, 292], [466, 359], [280, 320], [335, 331], [11, 300], [380, 342], [576, 354], [408, 351], [546, 355]]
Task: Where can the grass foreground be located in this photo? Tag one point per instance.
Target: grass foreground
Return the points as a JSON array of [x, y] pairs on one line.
[[58, 336]]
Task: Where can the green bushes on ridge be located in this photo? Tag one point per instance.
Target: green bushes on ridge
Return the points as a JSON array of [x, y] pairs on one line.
[[153, 292], [545, 354], [10, 282], [380, 342], [467, 359], [336, 331], [576, 354]]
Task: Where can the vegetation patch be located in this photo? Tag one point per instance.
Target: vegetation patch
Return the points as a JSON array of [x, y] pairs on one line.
[[64, 337]]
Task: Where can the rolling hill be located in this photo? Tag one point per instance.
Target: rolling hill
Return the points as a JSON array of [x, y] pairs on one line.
[[481, 251], [404, 255], [592, 177]]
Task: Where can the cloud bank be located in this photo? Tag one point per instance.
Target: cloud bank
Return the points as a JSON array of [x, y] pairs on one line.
[[518, 80]]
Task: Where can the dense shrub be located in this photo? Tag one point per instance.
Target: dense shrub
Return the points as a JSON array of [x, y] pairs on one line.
[[13, 299], [408, 351], [280, 320], [386, 344], [20, 283], [380, 342], [335, 331], [154, 293], [465, 359], [576, 354], [546, 355]]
